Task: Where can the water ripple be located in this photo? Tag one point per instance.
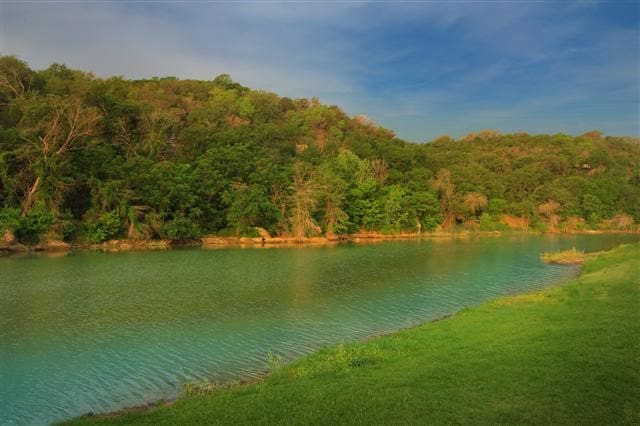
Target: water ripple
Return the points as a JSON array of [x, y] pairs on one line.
[[97, 332]]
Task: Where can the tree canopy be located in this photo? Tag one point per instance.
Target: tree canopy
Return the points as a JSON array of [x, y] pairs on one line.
[[89, 159]]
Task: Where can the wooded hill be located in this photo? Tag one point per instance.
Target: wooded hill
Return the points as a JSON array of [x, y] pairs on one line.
[[90, 159]]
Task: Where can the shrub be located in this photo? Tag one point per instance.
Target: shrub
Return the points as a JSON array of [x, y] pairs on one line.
[[430, 223], [274, 361], [487, 223], [33, 225], [618, 222], [63, 228], [107, 226], [9, 219], [490, 222], [181, 228], [497, 206]]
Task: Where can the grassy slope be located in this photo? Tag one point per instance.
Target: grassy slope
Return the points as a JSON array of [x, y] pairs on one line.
[[569, 354]]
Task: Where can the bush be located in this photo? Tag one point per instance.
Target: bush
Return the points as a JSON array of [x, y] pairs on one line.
[[497, 206], [67, 227], [33, 225], [181, 228], [104, 228], [62, 228], [36, 224], [618, 222], [9, 219], [429, 223], [491, 223]]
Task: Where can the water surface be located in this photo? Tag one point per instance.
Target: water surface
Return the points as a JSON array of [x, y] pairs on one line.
[[94, 332]]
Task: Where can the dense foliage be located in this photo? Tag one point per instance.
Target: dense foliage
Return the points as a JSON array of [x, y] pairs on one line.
[[91, 159]]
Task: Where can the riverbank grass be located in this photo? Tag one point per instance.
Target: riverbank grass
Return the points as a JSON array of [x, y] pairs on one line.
[[566, 355], [565, 257]]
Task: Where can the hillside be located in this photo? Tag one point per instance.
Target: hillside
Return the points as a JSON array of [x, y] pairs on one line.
[[90, 159]]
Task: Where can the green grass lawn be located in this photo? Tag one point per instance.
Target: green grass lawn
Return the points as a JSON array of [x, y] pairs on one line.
[[568, 354]]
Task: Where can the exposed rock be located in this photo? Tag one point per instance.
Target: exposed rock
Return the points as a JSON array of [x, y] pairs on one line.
[[8, 238], [188, 242], [332, 237], [56, 245], [249, 240], [13, 248], [126, 245], [215, 241], [276, 240]]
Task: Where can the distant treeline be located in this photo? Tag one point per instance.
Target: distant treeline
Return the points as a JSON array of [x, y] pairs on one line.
[[90, 159]]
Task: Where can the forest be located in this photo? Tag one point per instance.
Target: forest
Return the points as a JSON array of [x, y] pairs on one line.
[[87, 159]]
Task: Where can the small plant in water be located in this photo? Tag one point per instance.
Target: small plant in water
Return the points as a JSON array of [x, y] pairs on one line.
[[464, 310], [274, 361], [566, 257], [202, 387]]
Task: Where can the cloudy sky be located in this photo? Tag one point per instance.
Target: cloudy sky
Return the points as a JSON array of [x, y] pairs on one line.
[[423, 69]]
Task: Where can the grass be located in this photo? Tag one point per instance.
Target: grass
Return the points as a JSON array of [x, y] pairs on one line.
[[566, 355], [566, 257]]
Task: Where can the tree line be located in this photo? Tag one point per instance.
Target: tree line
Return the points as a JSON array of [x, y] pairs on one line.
[[91, 159]]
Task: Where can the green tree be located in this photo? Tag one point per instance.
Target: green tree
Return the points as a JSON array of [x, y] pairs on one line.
[[398, 215], [475, 203], [427, 208], [52, 127], [303, 201], [250, 207], [549, 211], [447, 191], [332, 198]]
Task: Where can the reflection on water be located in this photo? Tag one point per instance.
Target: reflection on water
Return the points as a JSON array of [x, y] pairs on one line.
[[97, 331]]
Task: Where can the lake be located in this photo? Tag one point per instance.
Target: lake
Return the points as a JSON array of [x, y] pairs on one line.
[[95, 332]]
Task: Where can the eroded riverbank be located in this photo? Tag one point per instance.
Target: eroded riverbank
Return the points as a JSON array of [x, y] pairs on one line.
[[214, 242]]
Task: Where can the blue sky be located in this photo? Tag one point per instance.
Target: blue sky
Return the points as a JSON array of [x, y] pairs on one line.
[[422, 69]]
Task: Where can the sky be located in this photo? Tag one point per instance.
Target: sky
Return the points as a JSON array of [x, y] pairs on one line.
[[422, 69]]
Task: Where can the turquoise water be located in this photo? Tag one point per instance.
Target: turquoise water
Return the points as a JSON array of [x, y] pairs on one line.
[[94, 332]]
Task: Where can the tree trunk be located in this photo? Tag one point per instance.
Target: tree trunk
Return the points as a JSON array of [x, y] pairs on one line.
[[449, 220], [28, 199]]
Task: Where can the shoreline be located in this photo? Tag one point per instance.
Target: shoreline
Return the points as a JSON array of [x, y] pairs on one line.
[[537, 296], [218, 242], [265, 375]]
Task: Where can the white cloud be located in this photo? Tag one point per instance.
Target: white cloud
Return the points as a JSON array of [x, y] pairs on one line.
[[322, 49], [110, 39]]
